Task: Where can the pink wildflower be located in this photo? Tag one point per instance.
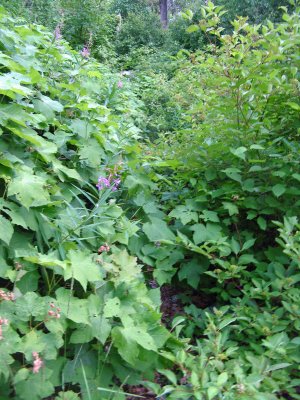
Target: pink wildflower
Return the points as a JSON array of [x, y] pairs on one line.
[[55, 312], [120, 84], [103, 248], [3, 321], [8, 296], [37, 362], [85, 52], [57, 33], [111, 181], [103, 183]]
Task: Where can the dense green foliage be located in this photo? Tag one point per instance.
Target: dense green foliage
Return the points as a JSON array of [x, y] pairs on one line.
[[62, 117], [196, 155]]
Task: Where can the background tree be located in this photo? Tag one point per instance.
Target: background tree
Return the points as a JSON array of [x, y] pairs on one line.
[[163, 6]]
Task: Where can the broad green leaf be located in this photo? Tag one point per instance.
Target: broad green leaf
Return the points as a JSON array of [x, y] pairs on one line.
[[6, 230], [69, 395], [36, 386], [235, 246], [29, 189], [256, 147], [275, 367], [91, 153], [100, 328], [296, 176], [233, 173], [123, 268], [10, 86], [71, 307], [83, 334], [222, 379], [31, 305], [293, 105], [230, 207], [262, 223], [112, 308], [21, 375], [247, 259], [249, 243], [192, 28], [184, 214], [212, 392], [239, 152], [52, 104], [210, 216], [169, 375], [127, 348], [70, 173], [278, 189], [127, 340], [157, 230], [82, 267], [47, 260]]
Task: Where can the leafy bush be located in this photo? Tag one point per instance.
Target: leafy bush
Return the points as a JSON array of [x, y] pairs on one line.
[[137, 30], [219, 186]]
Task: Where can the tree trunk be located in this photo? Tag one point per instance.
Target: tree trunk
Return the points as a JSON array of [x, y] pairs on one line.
[[163, 6]]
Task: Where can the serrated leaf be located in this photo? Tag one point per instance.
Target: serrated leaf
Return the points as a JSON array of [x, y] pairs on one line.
[[69, 395], [37, 195], [140, 336], [82, 267], [210, 216], [230, 207], [36, 386], [30, 305]]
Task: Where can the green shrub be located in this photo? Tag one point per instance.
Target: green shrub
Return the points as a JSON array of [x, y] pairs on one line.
[[219, 188], [138, 30]]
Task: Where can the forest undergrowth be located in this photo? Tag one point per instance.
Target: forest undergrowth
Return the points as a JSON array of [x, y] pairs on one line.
[[150, 240]]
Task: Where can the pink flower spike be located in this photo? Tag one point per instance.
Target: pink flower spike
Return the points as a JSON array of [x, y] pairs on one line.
[[85, 52], [37, 363], [120, 84], [57, 33]]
